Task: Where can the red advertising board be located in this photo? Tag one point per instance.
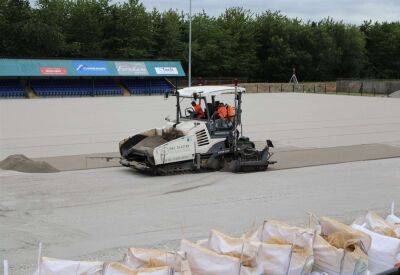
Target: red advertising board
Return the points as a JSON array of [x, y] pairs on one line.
[[53, 71]]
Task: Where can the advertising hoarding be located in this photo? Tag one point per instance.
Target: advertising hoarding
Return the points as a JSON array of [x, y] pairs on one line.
[[87, 67], [166, 70], [53, 71], [131, 68]]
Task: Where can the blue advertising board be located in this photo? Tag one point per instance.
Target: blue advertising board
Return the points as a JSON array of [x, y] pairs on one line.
[[165, 68], [90, 67]]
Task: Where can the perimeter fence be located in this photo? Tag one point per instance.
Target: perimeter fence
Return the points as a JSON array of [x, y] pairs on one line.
[[349, 87]]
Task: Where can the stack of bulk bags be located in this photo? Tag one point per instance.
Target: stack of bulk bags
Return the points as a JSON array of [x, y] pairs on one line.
[[339, 249], [385, 247], [274, 248], [52, 266]]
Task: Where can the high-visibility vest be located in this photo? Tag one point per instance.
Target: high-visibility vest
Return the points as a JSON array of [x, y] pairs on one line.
[[222, 113], [199, 111], [230, 111]]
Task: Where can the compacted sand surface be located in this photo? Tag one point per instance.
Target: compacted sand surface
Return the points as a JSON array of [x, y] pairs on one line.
[[74, 126], [95, 214]]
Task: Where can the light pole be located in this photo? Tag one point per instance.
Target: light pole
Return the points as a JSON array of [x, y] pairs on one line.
[[190, 44]]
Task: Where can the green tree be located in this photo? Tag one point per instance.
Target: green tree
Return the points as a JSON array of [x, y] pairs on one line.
[[275, 53], [238, 46], [42, 33], [207, 47], [128, 32], [15, 15], [383, 49], [84, 29], [236, 43], [170, 37]]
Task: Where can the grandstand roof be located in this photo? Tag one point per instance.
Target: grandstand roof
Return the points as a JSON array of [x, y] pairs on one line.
[[60, 68]]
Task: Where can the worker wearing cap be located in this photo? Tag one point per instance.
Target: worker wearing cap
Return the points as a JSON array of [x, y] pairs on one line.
[[198, 111], [221, 112]]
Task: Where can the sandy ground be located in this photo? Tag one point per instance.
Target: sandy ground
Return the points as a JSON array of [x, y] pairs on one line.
[[96, 213], [73, 126], [286, 158]]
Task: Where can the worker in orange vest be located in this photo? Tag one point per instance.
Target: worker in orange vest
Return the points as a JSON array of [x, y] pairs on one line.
[[231, 112], [198, 111], [221, 112]]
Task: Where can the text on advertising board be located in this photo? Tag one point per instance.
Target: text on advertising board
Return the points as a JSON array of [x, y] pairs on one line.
[[91, 67], [131, 68], [167, 70], [53, 71]]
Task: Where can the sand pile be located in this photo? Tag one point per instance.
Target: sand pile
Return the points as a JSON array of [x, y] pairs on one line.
[[21, 163], [395, 94]]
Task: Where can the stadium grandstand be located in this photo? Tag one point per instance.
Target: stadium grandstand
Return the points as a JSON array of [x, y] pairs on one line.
[[30, 78]]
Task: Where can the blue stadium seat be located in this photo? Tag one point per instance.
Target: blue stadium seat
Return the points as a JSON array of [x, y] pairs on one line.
[[11, 89], [100, 87], [75, 87], [148, 86]]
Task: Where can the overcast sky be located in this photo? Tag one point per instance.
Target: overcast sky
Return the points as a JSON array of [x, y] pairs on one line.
[[351, 11]]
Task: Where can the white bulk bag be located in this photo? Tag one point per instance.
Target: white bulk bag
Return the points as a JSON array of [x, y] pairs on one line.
[[256, 257], [392, 217], [273, 259], [147, 257], [331, 226], [120, 269], [203, 261], [301, 239], [342, 251], [236, 247], [377, 224], [253, 234], [153, 271], [328, 258], [394, 220], [184, 268], [115, 268], [384, 251], [52, 266], [244, 270], [202, 242]]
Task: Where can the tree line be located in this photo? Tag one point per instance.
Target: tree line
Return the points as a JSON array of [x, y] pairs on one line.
[[237, 43]]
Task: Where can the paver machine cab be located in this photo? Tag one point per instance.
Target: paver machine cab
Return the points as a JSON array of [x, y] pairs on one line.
[[191, 143]]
